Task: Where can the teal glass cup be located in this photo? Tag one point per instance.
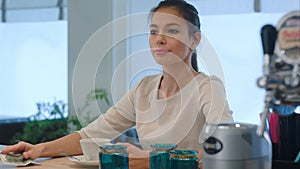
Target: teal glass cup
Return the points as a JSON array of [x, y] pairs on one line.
[[113, 157], [159, 156], [184, 159]]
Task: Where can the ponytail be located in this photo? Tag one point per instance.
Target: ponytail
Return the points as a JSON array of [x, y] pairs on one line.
[[194, 60]]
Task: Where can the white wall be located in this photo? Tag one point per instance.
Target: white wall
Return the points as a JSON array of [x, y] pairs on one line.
[[84, 20]]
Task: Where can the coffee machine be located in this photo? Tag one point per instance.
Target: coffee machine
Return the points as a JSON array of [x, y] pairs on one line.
[[239, 145], [281, 81], [281, 68]]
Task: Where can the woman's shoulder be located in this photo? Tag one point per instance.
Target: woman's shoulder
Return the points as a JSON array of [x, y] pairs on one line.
[[202, 77], [209, 81]]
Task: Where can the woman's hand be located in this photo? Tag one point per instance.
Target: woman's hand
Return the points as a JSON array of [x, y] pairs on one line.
[[26, 149], [200, 156], [138, 159], [47, 149]]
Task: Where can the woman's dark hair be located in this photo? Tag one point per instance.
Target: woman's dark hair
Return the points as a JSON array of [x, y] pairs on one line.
[[189, 13]]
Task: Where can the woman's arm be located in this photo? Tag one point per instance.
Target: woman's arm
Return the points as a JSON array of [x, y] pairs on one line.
[[213, 101], [68, 144]]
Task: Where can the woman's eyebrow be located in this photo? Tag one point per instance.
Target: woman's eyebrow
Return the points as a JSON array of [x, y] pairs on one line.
[[153, 25], [173, 24], [168, 25]]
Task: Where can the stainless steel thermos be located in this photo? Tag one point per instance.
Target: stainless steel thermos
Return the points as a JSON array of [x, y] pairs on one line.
[[236, 146]]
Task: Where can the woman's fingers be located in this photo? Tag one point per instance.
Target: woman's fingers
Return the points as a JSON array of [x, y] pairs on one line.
[[139, 163], [135, 152], [23, 148], [26, 155], [17, 148], [138, 159]]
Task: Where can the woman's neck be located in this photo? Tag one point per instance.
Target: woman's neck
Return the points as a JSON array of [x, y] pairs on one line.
[[174, 79]]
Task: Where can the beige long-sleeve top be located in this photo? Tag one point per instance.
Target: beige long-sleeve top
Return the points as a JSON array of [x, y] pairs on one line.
[[178, 119]]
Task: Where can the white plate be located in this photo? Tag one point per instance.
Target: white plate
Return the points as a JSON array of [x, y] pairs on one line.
[[82, 161]]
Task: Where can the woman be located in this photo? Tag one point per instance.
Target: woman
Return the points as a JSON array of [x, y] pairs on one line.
[[167, 108]]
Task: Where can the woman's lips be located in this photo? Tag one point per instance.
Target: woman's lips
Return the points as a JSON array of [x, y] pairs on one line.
[[160, 51]]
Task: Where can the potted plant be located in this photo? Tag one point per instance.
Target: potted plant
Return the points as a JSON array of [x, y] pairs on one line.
[[86, 113], [50, 122]]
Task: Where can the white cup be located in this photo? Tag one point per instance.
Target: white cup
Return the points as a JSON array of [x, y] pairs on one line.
[[91, 147]]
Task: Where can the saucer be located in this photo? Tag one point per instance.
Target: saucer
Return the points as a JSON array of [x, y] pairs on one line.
[[81, 160]]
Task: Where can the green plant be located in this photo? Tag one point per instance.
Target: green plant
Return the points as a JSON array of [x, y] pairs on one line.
[[49, 123], [85, 113], [51, 120]]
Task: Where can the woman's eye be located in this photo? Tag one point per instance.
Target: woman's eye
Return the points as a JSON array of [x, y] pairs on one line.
[[173, 31], [153, 32]]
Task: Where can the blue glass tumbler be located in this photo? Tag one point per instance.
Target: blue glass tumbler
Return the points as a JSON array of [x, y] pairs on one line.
[[113, 157], [159, 156], [184, 159]]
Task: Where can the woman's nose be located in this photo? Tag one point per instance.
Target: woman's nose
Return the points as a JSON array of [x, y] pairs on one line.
[[160, 39]]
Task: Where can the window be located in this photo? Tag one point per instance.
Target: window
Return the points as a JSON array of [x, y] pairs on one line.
[[33, 59], [33, 66]]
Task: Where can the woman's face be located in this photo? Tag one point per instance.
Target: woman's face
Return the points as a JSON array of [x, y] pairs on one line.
[[170, 41]]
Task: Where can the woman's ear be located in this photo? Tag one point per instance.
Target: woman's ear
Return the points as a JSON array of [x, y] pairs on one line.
[[196, 40]]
